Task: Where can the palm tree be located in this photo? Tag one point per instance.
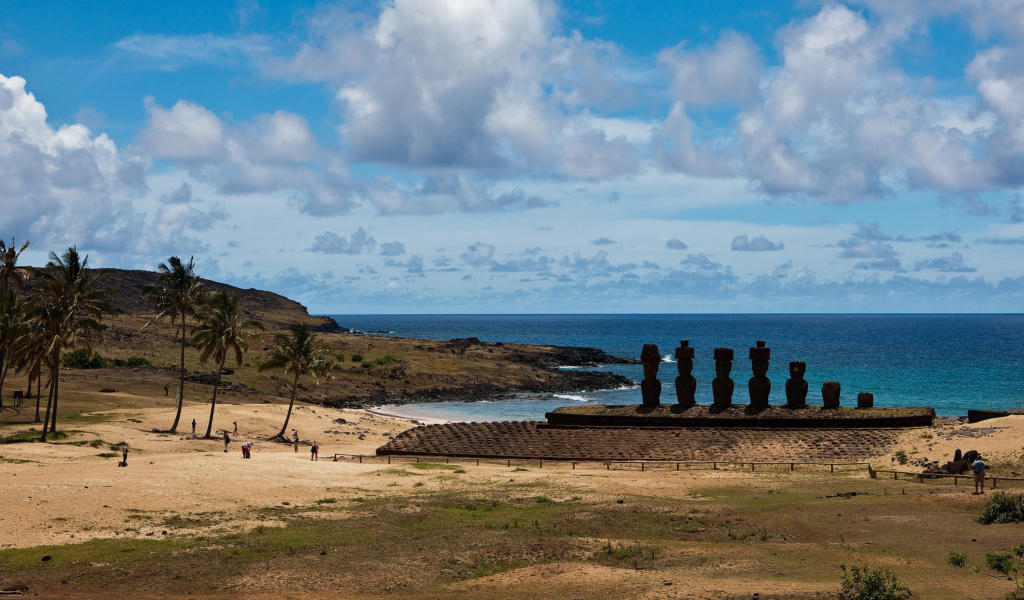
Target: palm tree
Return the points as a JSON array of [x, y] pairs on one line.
[[177, 294], [221, 332], [12, 325], [67, 304], [10, 274], [30, 353], [297, 354]]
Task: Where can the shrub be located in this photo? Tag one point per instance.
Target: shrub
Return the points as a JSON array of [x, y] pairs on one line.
[[83, 359], [1003, 508], [137, 361], [957, 559], [365, 364], [1009, 564], [339, 357], [387, 359], [357, 357], [863, 583]]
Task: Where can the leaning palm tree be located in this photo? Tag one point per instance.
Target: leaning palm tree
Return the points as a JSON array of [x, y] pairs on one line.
[[12, 326], [297, 354], [177, 294], [10, 274], [66, 305], [219, 333], [30, 353]]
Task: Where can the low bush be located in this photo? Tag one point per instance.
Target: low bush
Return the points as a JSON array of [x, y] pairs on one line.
[[83, 359], [957, 559], [863, 583], [357, 357], [1003, 508], [137, 361]]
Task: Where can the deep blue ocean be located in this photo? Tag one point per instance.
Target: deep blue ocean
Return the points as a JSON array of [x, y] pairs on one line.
[[949, 362]]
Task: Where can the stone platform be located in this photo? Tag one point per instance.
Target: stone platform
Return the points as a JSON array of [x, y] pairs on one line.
[[534, 440], [739, 416]]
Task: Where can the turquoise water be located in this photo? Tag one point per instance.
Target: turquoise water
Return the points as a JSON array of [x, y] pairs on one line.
[[949, 362]]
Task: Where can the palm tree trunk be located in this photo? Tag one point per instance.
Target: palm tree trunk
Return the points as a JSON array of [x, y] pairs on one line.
[[213, 405], [49, 405], [3, 376], [56, 394], [295, 389], [181, 385], [39, 383]]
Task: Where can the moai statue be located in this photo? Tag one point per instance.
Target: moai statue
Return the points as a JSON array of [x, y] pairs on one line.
[[796, 387], [865, 400], [722, 387], [830, 394], [650, 387], [760, 386], [686, 384]]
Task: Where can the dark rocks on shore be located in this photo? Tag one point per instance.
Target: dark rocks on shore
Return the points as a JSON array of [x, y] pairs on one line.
[[569, 356], [567, 382]]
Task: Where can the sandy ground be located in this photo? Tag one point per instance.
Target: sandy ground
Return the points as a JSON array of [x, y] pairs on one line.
[[77, 495]]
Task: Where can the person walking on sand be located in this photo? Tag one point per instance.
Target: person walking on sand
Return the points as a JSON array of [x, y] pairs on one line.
[[193, 428], [979, 467], [227, 440], [236, 428], [124, 454], [295, 439], [314, 451]]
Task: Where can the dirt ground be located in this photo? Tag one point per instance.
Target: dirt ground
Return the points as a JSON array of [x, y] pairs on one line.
[[216, 525]]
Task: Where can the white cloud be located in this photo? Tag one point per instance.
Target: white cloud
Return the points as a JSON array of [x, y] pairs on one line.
[[729, 71], [331, 243], [742, 243], [392, 249], [446, 193], [675, 244], [63, 186], [479, 254]]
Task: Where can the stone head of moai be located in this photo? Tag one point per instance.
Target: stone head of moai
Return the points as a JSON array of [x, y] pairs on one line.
[[797, 369], [651, 358], [684, 358], [796, 387], [759, 357], [723, 362], [830, 394]]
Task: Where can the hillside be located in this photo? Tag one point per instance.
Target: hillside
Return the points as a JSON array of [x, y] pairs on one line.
[[367, 370]]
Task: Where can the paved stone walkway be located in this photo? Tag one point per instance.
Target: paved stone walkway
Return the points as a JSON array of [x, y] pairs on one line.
[[524, 439]]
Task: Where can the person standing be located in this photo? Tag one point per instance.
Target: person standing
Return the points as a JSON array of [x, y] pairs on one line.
[[236, 428], [295, 439], [193, 428], [166, 389], [979, 467], [314, 451], [227, 440], [124, 454]]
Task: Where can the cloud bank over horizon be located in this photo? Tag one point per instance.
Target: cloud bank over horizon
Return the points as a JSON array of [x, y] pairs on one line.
[[523, 156]]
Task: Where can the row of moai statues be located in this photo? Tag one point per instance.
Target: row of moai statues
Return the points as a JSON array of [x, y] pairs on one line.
[[759, 386]]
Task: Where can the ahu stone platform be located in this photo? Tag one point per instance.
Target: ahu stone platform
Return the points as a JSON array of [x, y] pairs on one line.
[[534, 440]]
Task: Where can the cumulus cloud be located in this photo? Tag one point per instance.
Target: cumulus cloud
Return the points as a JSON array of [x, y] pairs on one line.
[[942, 240], [482, 84], [742, 243], [729, 71], [479, 254], [603, 241], [594, 266], [446, 193], [331, 243], [392, 249], [675, 244], [953, 263], [533, 265], [275, 151], [883, 264], [869, 242], [65, 185]]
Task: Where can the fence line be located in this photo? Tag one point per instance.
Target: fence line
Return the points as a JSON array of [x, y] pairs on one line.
[[641, 465], [956, 478]]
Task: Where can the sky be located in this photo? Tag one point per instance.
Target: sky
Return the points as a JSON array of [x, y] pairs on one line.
[[528, 156]]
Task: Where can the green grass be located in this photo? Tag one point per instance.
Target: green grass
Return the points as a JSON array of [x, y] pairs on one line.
[[424, 466]]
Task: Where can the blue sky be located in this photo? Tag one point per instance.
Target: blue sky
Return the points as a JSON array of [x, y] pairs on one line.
[[521, 156]]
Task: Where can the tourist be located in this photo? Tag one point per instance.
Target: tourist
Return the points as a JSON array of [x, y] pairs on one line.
[[314, 451], [166, 389], [236, 428], [295, 439], [246, 448], [979, 467], [124, 454], [227, 440], [193, 428]]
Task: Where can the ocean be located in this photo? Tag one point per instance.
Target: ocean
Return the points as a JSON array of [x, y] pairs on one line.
[[949, 362]]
